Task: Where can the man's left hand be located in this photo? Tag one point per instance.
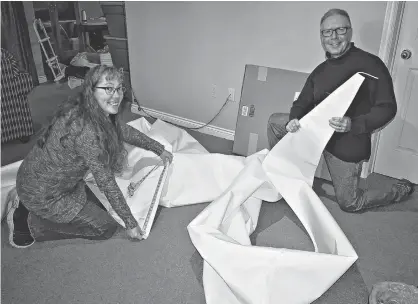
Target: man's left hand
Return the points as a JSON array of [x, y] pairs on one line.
[[340, 124], [166, 156]]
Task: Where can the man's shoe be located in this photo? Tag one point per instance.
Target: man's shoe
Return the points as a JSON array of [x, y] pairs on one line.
[[17, 221], [402, 189], [393, 292]]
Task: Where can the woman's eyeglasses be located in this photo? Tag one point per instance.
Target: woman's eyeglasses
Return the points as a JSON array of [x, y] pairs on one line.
[[112, 90], [339, 31]]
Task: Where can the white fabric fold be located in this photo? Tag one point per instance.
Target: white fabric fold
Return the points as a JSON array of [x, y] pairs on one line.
[[236, 272], [8, 182]]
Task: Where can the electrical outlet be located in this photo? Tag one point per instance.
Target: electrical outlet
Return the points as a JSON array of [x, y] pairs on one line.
[[231, 94], [252, 111], [244, 111], [213, 90]]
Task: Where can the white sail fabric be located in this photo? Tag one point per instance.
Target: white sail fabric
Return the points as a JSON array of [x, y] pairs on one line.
[[8, 182], [195, 175], [235, 272]]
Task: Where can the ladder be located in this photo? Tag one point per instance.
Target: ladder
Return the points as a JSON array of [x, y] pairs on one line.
[[51, 57]]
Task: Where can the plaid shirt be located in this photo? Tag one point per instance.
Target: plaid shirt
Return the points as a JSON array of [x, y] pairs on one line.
[[50, 180]]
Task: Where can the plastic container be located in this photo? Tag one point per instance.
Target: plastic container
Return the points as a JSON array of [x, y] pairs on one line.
[[83, 16]]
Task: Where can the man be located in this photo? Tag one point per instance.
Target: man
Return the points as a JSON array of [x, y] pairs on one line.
[[373, 107]]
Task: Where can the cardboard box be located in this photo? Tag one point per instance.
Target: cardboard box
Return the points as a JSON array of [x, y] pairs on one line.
[[266, 91]]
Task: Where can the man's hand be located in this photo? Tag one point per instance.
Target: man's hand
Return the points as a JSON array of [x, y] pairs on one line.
[[135, 233], [166, 156], [340, 124], [293, 125]]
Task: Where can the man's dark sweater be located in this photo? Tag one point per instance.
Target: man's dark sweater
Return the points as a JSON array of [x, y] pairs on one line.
[[372, 108]]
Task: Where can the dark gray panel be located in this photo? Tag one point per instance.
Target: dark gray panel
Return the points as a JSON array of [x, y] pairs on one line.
[[263, 98]]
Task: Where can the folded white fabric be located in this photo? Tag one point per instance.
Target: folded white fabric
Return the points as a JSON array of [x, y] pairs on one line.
[[195, 176], [237, 272], [8, 182]]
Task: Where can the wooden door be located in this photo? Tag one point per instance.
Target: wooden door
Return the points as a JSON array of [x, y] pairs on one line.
[[397, 152]]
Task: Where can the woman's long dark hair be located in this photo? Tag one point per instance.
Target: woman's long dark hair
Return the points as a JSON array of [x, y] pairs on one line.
[[83, 109]]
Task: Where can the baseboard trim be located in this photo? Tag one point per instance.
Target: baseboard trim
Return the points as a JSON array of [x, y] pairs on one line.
[[184, 122]]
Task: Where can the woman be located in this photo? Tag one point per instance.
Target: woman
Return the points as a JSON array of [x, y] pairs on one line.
[[85, 135]]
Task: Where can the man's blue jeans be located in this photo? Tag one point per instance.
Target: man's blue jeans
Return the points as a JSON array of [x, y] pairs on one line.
[[345, 176]]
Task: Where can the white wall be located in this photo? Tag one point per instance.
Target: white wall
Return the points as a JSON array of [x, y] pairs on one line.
[[178, 50]]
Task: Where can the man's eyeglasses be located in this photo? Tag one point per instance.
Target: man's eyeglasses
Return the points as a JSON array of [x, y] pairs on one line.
[[112, 90], [338, 30]]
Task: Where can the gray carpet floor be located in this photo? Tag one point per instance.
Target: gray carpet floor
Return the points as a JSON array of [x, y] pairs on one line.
[[167, 269]]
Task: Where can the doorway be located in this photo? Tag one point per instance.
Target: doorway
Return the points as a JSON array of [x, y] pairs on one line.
[[396, 152]]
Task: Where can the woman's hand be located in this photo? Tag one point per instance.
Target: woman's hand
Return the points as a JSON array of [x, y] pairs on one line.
[[166, 156], [135, 233]]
